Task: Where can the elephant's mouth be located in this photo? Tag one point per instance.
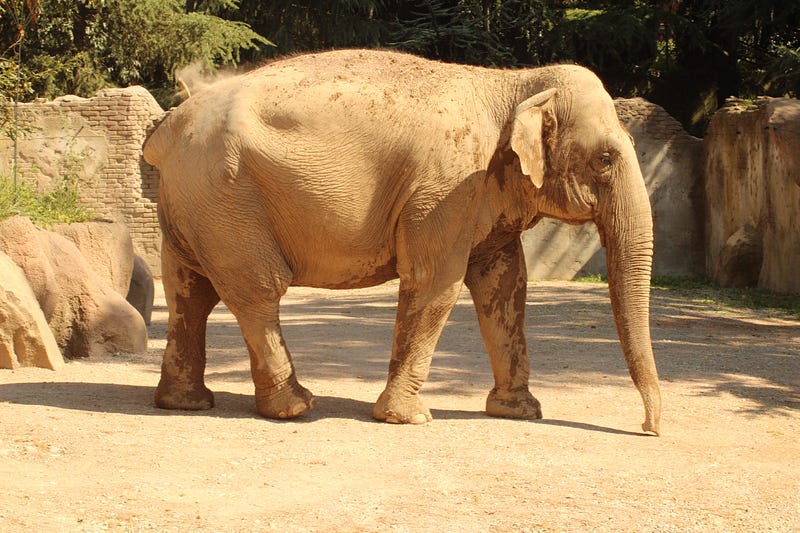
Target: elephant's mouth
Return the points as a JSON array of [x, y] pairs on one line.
[[600, 231], [572, 203]]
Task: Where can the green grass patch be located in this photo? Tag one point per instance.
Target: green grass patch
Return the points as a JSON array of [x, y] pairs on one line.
[[44, 209], [700, 289], [592, 278], [704, 291]]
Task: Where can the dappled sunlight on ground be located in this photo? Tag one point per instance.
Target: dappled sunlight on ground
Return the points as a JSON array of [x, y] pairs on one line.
[[90, 438]]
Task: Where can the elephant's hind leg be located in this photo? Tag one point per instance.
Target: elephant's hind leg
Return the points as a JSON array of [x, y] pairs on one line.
[[278, 393], [252, 287], [190, 299]]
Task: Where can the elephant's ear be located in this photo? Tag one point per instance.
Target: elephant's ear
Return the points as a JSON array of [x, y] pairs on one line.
[[527, 135]]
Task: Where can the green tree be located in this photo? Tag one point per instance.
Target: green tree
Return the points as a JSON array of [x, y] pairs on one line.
[[79, 46], [20, 15], [480, 32], [306, 25], [687, 55]]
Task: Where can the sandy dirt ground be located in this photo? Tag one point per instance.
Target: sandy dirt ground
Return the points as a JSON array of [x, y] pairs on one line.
[[85, 449]]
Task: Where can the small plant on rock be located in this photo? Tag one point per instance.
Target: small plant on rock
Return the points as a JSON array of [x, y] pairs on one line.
[[43, 208]]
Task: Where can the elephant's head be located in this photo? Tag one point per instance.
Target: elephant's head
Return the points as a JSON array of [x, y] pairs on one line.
[[583, 167]]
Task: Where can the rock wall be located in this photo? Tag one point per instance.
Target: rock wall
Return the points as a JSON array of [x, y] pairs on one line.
[[670, 162], [98, 140], [752, 188]]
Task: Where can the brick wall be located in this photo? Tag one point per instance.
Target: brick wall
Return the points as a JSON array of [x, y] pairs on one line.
[[99, 140]]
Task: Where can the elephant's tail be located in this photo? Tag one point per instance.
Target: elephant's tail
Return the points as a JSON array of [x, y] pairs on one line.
[[154, 144], [184, 88]]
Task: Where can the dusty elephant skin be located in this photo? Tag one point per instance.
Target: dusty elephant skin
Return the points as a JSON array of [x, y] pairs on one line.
[[350, 168]]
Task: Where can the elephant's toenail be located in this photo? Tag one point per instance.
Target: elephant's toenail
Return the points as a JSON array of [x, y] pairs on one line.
[[419, 418]]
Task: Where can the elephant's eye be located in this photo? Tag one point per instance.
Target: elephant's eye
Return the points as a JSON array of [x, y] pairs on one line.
[[602, 165]]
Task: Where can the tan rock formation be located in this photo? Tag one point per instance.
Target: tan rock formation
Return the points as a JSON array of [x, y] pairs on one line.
[[25, 337], [86, 315]]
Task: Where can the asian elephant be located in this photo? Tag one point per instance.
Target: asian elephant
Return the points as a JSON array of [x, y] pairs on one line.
[[349, 168]]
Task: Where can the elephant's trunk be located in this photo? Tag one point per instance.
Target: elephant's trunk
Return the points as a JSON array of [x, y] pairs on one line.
[[628, 234]]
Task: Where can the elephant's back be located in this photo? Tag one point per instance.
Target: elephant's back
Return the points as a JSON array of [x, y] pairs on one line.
[[380, 91], [396, 71], [327, 147]]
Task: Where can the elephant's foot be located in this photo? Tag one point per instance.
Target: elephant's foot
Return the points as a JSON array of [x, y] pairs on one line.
[[650, 427], [287, 400], [516, 403], [396, 409], [170, 396]]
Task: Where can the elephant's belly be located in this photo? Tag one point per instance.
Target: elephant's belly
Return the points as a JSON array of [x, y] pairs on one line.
[[345, 272]]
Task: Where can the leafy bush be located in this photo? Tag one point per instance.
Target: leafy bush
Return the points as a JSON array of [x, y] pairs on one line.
[[44, 209]]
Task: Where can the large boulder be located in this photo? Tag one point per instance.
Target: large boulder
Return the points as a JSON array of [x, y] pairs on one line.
[[142, 289], [107, 246], [751, 166], [86, 315], [740, 259], [25, 337]]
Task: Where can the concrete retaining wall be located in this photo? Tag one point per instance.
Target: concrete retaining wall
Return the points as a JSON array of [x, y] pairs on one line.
[[752, 188], [669, 158], [99, 140]]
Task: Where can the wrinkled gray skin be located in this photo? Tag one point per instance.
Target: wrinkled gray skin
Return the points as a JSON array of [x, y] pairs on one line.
[[350, 168]]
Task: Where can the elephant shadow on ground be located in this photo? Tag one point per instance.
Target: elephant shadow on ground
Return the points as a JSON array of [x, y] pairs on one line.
[[346, 335], [136, 400], [572, 340]]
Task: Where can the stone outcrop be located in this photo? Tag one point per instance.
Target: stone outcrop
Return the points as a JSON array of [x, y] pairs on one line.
[[100, 140], [87, 316], [141, 290], [752, 190], [108, 248], [25, 337]]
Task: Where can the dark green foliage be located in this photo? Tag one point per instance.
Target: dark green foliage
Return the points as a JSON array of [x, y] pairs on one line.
[[627, 34], [297, 26], [503, 34], [79, 46], [782, 73], [687, 55]]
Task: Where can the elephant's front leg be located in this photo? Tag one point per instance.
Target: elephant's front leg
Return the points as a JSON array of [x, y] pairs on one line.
[[422, 312], [498, 287]]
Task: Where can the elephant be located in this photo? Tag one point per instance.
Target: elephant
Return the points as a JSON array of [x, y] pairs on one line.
[[350, 168]]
